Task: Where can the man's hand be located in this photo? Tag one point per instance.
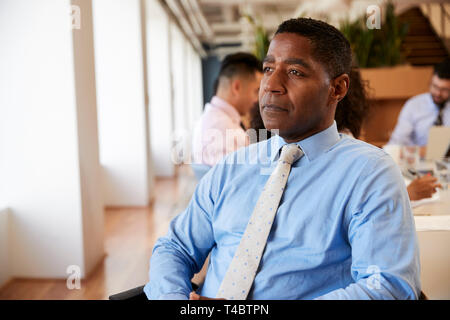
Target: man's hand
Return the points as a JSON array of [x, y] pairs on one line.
[[195, 296], [423, 187]]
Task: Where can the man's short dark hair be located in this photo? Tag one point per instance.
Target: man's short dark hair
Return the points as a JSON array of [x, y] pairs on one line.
[[241, 63], [238, 64], [329, 45], [442, 69]]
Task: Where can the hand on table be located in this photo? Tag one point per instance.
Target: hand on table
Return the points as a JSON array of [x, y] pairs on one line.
[[423, 187]]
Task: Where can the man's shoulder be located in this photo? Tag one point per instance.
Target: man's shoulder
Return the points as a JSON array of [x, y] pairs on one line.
[[211, 113], [418, 101], [358, 151], [211, 123], [346, 148]]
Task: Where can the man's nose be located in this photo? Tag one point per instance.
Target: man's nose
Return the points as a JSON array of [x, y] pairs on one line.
[[274, 83]]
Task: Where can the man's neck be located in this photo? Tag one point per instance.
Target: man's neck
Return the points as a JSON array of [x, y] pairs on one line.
[[299, 137], [226, 97]]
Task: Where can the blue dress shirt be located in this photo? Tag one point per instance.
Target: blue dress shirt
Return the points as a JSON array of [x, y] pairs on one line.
[[415, 120], [344, 228]]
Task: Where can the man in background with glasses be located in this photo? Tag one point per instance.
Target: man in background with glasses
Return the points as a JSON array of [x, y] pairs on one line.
[[423, 111]]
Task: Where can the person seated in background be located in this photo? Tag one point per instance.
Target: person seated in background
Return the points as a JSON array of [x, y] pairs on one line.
[[423, 111], [219, 130], [309, 213], [350, 114]]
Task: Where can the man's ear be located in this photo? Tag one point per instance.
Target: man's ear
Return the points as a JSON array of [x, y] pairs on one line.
[[236, 85], [339, 87]]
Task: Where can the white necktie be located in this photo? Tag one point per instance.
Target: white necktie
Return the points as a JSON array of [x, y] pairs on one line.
[[242, 270]]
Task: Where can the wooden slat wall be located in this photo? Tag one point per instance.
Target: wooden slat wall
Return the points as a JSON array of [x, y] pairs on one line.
[[422, 46]]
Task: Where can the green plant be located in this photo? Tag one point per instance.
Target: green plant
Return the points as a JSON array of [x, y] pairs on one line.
[[360, 38], [261, 39], [376, 47]]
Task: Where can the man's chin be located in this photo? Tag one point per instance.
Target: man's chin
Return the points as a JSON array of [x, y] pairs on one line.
[[438, 101], [272, 127], [274, 131]]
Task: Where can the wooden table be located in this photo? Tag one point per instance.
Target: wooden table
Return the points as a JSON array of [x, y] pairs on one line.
[[441, 207]]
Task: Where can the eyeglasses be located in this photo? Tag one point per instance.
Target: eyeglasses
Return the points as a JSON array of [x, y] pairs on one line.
[[440, 89]]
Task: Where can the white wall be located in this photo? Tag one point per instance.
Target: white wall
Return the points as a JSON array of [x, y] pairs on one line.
[[187, 89], [88, 146], [40, 149], [121, 102], [196, 85], [160, 88], [178, 65], [45, 158]]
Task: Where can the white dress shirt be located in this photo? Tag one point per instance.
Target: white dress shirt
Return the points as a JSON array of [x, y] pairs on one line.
[[217, 133]]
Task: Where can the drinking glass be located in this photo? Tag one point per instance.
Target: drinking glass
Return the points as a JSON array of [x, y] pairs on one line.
[[409, 156]]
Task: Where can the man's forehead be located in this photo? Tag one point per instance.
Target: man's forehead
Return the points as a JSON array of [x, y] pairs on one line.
[[290, 48], [440, 81], [290, 41]]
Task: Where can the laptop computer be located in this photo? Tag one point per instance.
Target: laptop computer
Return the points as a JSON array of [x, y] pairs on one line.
[[438, 146]]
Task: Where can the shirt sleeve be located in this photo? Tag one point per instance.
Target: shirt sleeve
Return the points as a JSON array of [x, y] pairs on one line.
[[402, 134], [180, 254], [381, 232]]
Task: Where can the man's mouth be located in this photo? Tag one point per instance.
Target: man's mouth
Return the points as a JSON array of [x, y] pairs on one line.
[[273, 108], [437, 100]]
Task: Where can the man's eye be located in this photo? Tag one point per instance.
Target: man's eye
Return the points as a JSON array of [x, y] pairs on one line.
[[266, 69], [296, 73]]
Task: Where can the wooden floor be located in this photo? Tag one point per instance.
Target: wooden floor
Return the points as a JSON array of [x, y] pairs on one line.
[[130, 234]]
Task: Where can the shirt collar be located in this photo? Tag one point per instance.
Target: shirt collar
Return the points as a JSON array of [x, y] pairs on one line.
[[312, 146], [227, 108]]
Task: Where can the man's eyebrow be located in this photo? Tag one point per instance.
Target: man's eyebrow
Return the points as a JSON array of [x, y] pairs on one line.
[[297, 61], [269, 59]]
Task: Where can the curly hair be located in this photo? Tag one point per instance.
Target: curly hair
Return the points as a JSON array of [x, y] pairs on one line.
[[354, 107], [257, 123]]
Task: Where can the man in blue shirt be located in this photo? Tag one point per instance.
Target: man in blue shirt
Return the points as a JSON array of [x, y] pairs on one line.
[[344, 227], [422, 112]]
